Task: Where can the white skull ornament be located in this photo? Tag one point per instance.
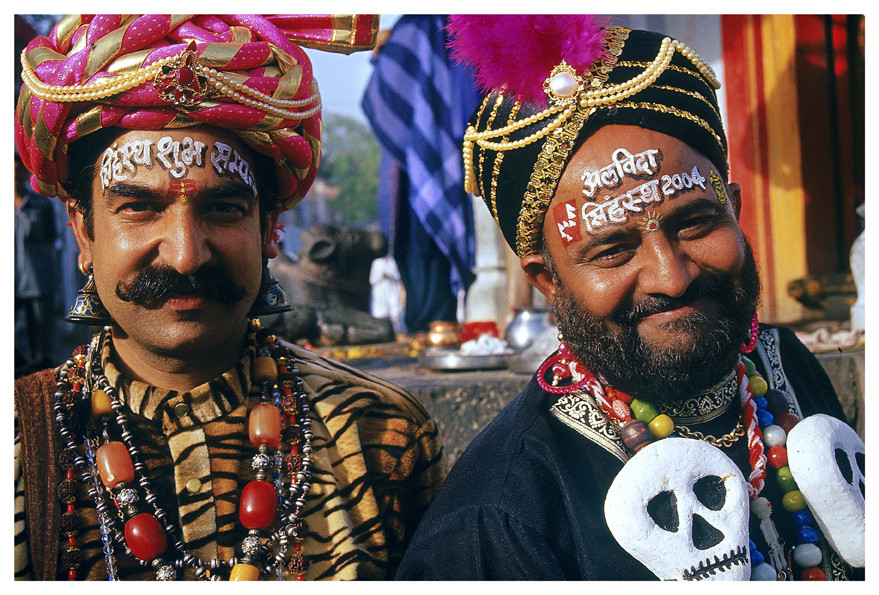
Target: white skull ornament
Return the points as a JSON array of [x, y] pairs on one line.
[[680, 506], [826, 458]]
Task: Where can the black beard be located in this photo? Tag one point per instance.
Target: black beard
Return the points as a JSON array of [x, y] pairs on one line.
[[156, 283], [708, 346]]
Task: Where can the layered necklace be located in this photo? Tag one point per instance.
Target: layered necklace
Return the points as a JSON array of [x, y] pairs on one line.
[[765, 421], [88, 409]]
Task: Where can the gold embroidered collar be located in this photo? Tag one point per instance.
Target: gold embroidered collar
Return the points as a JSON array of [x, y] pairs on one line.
[[703, 407]]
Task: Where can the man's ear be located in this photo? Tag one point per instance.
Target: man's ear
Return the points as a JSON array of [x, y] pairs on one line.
[[269, 246], [77, 222], [539, 275], [735, 193]]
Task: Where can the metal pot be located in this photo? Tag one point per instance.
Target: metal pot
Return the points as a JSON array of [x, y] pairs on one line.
[[443, 333], [527, 325]]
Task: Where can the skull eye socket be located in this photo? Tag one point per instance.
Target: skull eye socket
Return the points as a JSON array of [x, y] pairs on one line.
[[663, 509], [859, 459], [710, 491], [844, 464], [845, 467]]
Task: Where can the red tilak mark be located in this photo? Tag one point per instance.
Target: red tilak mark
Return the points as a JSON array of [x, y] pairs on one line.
[[182, 188], [566, 219]]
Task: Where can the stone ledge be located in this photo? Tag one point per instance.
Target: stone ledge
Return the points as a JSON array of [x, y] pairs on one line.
[[463, 403], [847, 372]]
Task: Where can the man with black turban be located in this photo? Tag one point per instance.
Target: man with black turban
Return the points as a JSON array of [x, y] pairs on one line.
[[671, 436]]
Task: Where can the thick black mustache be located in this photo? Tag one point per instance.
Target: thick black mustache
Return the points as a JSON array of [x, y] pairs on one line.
[[158, 282], [706, 286]]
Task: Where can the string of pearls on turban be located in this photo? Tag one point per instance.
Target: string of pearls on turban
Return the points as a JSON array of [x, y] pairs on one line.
[[223, 83], [566, 97], [98, 89]]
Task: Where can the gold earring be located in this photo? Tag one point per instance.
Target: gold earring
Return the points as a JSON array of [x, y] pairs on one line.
[[87, 308], [271, 298]]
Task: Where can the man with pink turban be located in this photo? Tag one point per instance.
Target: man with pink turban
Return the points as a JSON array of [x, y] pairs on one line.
[[185, 441]]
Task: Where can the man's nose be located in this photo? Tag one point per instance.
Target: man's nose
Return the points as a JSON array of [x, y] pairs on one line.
[[184, 242], [667, 269]]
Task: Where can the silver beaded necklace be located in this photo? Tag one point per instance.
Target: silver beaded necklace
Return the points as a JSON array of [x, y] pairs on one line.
[[270, 553]]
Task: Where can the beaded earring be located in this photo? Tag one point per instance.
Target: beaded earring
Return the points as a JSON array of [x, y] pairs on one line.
[[87, 308], [271, 298], [753, 336], [568, 374]]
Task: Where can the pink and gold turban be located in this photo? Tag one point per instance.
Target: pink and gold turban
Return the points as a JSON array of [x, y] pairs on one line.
[[244, 73]]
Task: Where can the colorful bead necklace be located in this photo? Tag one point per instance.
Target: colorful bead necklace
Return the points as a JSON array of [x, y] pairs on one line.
[[775, 422], [765, 421], [109, 468]]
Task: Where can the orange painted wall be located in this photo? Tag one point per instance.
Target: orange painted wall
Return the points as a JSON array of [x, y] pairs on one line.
[[796, 145]]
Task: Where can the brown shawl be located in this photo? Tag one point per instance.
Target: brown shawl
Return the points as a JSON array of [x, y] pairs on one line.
[[40, 446]]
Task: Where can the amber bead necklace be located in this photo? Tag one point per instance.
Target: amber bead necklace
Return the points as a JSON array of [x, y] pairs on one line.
[[113, 471]]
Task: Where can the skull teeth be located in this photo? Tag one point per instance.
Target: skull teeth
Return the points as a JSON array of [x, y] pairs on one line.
[[710, 568]]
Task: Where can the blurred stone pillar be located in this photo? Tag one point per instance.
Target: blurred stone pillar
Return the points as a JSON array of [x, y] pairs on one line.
[[486, 297]]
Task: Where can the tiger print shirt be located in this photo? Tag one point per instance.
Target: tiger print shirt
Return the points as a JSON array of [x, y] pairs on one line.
[[377, 465]]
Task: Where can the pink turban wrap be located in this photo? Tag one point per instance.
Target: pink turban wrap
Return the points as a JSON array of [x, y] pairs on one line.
[[270, 100]]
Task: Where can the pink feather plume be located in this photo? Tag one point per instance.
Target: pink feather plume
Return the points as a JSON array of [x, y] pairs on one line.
[[518, 52]]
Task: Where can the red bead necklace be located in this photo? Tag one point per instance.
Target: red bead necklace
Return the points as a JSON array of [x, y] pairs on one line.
[[110, 468]]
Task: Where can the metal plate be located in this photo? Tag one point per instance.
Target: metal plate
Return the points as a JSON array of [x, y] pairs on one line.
[[452, 359], [525, 364]]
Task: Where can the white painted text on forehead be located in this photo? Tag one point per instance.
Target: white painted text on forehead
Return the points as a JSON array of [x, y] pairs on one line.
[[618, 209], [640, 166], [226, 160], [177, 157]]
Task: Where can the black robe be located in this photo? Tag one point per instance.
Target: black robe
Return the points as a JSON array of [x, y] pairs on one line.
[[526, 500]]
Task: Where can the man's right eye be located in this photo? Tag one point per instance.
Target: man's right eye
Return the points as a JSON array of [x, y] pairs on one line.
[[614, 255], [137, 207]]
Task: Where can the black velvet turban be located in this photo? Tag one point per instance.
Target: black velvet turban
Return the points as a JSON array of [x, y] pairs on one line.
[[642, 79]]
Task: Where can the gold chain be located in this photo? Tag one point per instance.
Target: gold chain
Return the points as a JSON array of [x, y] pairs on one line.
[[726, 440]]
